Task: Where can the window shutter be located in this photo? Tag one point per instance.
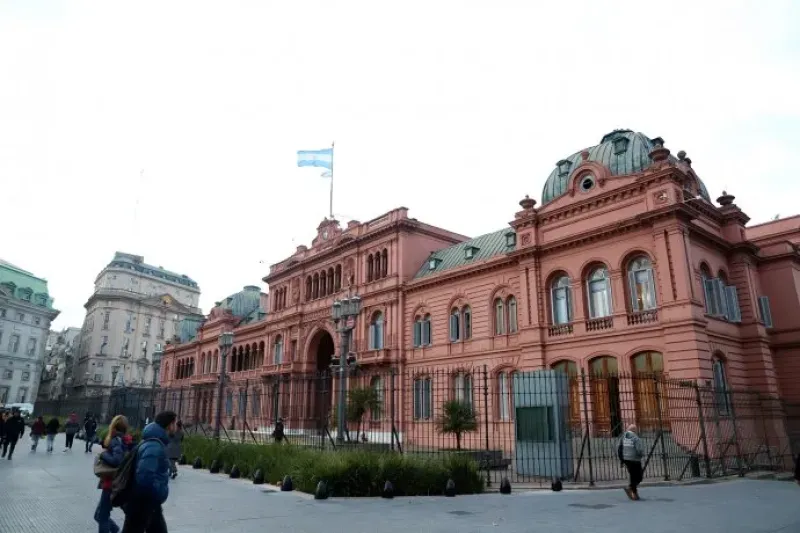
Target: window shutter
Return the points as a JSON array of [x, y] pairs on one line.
[[453, 328], [708, 287], [417, 333], [632, 289], [426, 332], [734, 312], [372, 337], [719, 292], [568, 297], [764, 309], [650, 298]]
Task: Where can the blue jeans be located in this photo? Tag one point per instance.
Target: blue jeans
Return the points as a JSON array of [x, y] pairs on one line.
[[102, 514]]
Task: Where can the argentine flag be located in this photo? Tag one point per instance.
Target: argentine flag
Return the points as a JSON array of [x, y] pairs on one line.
[[315, 158]]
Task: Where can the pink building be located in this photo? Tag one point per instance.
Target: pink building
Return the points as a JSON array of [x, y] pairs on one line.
[[628, 278]]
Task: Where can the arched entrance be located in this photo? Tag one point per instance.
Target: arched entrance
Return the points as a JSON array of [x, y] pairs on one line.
[[605, 395], [321, 349]]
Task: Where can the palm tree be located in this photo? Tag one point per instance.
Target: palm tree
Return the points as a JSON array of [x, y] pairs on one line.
[[457, 418], [360, 401]]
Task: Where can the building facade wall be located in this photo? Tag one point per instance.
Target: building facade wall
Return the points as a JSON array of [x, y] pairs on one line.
[[688, 296]]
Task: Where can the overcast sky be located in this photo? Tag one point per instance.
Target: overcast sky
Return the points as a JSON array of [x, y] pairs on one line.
[[453, 109]]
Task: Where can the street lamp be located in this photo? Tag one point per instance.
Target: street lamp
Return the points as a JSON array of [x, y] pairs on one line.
[[225, 343], [342, 313]]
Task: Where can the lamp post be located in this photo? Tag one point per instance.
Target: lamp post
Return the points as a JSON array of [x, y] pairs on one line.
[[157, 355], [225, 343], [342, 313]]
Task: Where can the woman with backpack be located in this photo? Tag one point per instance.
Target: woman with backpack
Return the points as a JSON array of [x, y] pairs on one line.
[[116, 445]]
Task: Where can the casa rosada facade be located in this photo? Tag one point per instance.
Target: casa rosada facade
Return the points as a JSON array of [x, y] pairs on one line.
[[627, 266]]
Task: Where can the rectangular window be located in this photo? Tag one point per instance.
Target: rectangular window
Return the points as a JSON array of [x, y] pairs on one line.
[[98, 378], [147, 322], [499, 319], [417, 334], [22, 395], [257, 402], [462, 388], [37, 320], [535, 424], [31, 349], [765, 311], [242, 403], [8, 374], [129, 323], [503, 396], [561, 306], [3, 395], [21, 317], [454, 327], [426, 332], [13, 344], [229, 404], [732, 299], [160, 329], [106, 319], [467, 324], [422, 399], [512, 315], [26, 376]]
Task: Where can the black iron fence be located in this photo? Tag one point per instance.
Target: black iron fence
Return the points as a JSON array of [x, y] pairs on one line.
[[529, 427]]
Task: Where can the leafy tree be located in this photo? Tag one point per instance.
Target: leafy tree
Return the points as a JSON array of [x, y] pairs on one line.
[[456, 419], [360, 401]]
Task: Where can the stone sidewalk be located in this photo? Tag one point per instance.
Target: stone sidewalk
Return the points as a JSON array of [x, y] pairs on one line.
[[54, 493]]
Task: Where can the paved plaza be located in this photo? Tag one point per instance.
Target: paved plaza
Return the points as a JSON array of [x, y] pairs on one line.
[[40, 492]]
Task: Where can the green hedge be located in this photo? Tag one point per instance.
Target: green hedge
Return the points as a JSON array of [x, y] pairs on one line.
[[347, 473]]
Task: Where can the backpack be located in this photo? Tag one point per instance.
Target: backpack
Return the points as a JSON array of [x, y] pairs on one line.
[[125, 478]]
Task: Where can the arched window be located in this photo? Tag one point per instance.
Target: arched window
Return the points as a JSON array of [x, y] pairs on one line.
[[370, 271], [229, 404], [308, 288], [423, 396], [261, 353], [462, 388], [511, 305], [323, 284], [246, 362], [504, 398], [641, 284], [215, 361], [377, 268], [571, 370], [598, 292], [455, 329], [202, 363], [376, 332], [422, 331], [384, 263], [561, 300], [316, 286], [499, 317], [722, 397], [278, 350], [330, 280], [466, 322], [337, 278], [376, 411], [427, 332]]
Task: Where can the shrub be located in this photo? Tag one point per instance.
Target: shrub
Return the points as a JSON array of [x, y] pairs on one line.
[[347, 473], [457, 418]]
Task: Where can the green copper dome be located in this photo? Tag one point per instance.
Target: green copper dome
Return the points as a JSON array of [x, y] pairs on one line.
[[621, 151]]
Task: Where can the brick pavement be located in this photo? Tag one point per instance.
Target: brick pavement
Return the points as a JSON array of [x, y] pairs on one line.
[[58, 493]]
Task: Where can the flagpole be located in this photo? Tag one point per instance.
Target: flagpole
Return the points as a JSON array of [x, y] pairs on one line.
[[331, 198]]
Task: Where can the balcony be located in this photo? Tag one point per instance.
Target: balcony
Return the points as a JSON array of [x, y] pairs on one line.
[[201, 379], [643, 317], [599, 324], [560, 330]]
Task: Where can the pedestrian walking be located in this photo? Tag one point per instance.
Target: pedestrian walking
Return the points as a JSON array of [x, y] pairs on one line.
[[631, 451], [14, 429], [143, 512], [175, 449], [38, 430], [277, 433], [52, 430], [116, 444], [71, 428], [89, 431]]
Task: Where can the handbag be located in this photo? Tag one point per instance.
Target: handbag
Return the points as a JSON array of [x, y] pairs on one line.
[[101, 469]]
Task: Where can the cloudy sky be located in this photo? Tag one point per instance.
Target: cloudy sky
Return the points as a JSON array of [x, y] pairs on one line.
[[455, 109]]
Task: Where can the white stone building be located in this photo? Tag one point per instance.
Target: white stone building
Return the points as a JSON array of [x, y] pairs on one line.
[[26, 311], [133, 311]]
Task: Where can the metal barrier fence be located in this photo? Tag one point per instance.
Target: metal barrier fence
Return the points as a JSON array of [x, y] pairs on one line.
[[529, 427]]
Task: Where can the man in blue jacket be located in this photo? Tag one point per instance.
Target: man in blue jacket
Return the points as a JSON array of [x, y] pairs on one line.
[[143, 512]]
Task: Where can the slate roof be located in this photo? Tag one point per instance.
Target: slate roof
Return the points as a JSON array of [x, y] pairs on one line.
[[634, 159], [23, 281], [136, 262], [485, 247]]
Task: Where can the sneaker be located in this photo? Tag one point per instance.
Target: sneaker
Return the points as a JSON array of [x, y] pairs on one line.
[[629, 492]]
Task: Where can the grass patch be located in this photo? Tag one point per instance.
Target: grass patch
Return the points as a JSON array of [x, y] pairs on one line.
[[347, 473]]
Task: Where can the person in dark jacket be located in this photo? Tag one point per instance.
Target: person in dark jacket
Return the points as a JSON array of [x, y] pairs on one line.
[[116, 445], [174, 449], [38, 430], [52, 430], [89, 431], [143, 512], [14, 430], [3, 418], [71, 428], [278, 433]]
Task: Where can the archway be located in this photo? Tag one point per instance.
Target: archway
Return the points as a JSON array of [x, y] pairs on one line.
[[605, 395], [321, 349]]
